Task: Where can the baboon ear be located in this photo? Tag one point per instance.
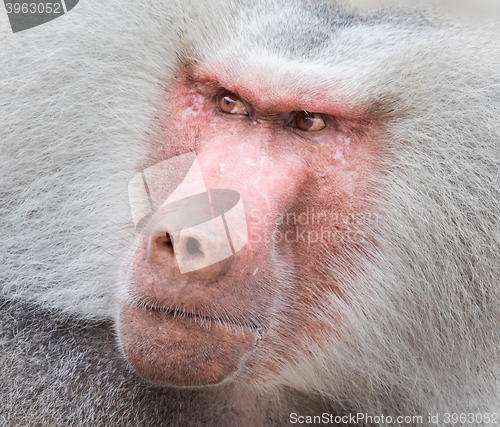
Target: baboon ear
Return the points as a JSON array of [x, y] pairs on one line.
[[24, 14]]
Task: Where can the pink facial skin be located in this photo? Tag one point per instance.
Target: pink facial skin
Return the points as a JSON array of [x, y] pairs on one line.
[[304, 196]]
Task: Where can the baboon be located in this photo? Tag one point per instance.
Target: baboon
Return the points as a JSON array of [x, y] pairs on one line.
[[322, 241]]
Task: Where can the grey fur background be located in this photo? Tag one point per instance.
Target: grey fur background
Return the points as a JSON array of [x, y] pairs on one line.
[[480, 10]]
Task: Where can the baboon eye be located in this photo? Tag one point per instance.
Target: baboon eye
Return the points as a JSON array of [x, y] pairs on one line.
[[309, 122], [229, 103]]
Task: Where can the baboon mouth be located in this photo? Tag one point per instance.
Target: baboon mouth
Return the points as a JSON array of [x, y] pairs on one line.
[[176, 313], [176, 347]]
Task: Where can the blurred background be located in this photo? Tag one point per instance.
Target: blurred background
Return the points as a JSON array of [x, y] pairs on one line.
[[480, 10]]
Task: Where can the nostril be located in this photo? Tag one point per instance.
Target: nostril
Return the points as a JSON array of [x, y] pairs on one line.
[[193, 246], [166, 243]]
